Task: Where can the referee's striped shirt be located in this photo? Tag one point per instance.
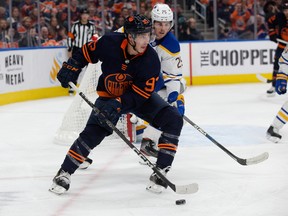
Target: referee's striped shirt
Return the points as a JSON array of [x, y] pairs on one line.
[[80, 34]]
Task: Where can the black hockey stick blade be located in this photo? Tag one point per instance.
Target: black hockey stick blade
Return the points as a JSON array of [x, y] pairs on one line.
[[250, 161], [263, 79], [179, 189]]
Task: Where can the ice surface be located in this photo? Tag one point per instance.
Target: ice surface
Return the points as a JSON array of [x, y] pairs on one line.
[[237, 116]]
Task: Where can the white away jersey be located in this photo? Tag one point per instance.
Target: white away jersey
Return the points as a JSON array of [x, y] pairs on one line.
[[168, 50]]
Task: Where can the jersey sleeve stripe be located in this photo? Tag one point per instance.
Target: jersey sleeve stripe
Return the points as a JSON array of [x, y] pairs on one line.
[[86, 54], [140, 92]]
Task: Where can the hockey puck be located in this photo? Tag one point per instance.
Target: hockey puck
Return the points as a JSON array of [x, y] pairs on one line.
[[181, 202]]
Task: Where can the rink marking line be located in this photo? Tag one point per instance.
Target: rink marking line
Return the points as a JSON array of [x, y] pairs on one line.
[[92, 178]]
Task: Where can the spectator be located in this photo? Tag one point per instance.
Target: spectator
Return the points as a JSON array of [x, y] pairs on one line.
[[16, 23], [25, 26], [4, 37], [54, 27], [15, 17], [108, 22], [44, 35], [190, 33], [124, 12], [227, 33], [62, 36], [239, 19], [261, 27], [224, 10], [34, 16], [3, 13], [75, 13], [29, 39], [118, 22], [26, 7]]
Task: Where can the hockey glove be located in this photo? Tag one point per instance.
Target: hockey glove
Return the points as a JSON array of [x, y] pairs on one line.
[[180, 104], [281, 83], [172, 97], [69, 72], [109, 109]]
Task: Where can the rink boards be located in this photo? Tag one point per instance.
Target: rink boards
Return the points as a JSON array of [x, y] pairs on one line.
[[27, 74]]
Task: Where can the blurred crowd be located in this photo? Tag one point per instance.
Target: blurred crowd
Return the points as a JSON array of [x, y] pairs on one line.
[[240, 19], [22, 29], [48, 23]]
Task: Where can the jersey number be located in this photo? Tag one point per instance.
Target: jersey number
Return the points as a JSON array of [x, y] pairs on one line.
[[150, 84], [179, 62]]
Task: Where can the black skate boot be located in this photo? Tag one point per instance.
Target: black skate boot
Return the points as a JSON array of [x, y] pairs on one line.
[[156, 184], [61, 182], [88, 161], [149, 148], [273, 135], [271, 92]]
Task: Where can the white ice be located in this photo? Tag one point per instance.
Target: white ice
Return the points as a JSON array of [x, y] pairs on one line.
[[237, 116]]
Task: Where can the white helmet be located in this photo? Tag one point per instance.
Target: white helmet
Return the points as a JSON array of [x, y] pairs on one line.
[[162, 13]]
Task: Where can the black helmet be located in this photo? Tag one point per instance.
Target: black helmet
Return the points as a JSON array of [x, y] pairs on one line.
[[84, 11], [137, 24]]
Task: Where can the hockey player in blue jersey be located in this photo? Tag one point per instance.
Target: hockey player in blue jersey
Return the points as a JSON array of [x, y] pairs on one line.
[[281, 118], [171, 85], [130, 69]]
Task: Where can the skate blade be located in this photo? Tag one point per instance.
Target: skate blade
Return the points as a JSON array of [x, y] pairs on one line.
[[84, 165], [57, 189], [273, 139], [152, 187], [271, 94]]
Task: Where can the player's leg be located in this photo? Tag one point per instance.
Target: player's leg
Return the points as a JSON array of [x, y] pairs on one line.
[[89, 138], [151, 135], [171, 123], [167, 118], [279, 121], [149, 141]]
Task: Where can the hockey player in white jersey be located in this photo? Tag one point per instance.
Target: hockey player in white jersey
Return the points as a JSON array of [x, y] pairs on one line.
[[281, 87], [171, 85]]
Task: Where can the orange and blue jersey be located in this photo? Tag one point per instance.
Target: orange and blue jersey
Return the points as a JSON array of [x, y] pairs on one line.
[[122, 76]]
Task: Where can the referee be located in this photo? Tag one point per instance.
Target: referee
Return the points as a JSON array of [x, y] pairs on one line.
[[81, 32]]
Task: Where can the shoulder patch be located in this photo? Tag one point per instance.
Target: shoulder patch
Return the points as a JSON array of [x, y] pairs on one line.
[[170, 44]]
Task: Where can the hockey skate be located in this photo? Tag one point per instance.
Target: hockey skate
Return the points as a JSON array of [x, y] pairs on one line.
[[86, 163], [271, 92], [148, 147], [156, 184], [61, 182], [273, 135]]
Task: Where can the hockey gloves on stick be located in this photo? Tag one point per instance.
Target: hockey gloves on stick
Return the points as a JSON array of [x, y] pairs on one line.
[[69, 73], [281, 83], [109, 109], [180, 104], [177, 100]]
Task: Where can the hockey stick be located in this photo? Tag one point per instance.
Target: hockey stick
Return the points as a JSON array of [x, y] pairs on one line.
[[254, 160], [182, 189], [263, 79], [282, 41]]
